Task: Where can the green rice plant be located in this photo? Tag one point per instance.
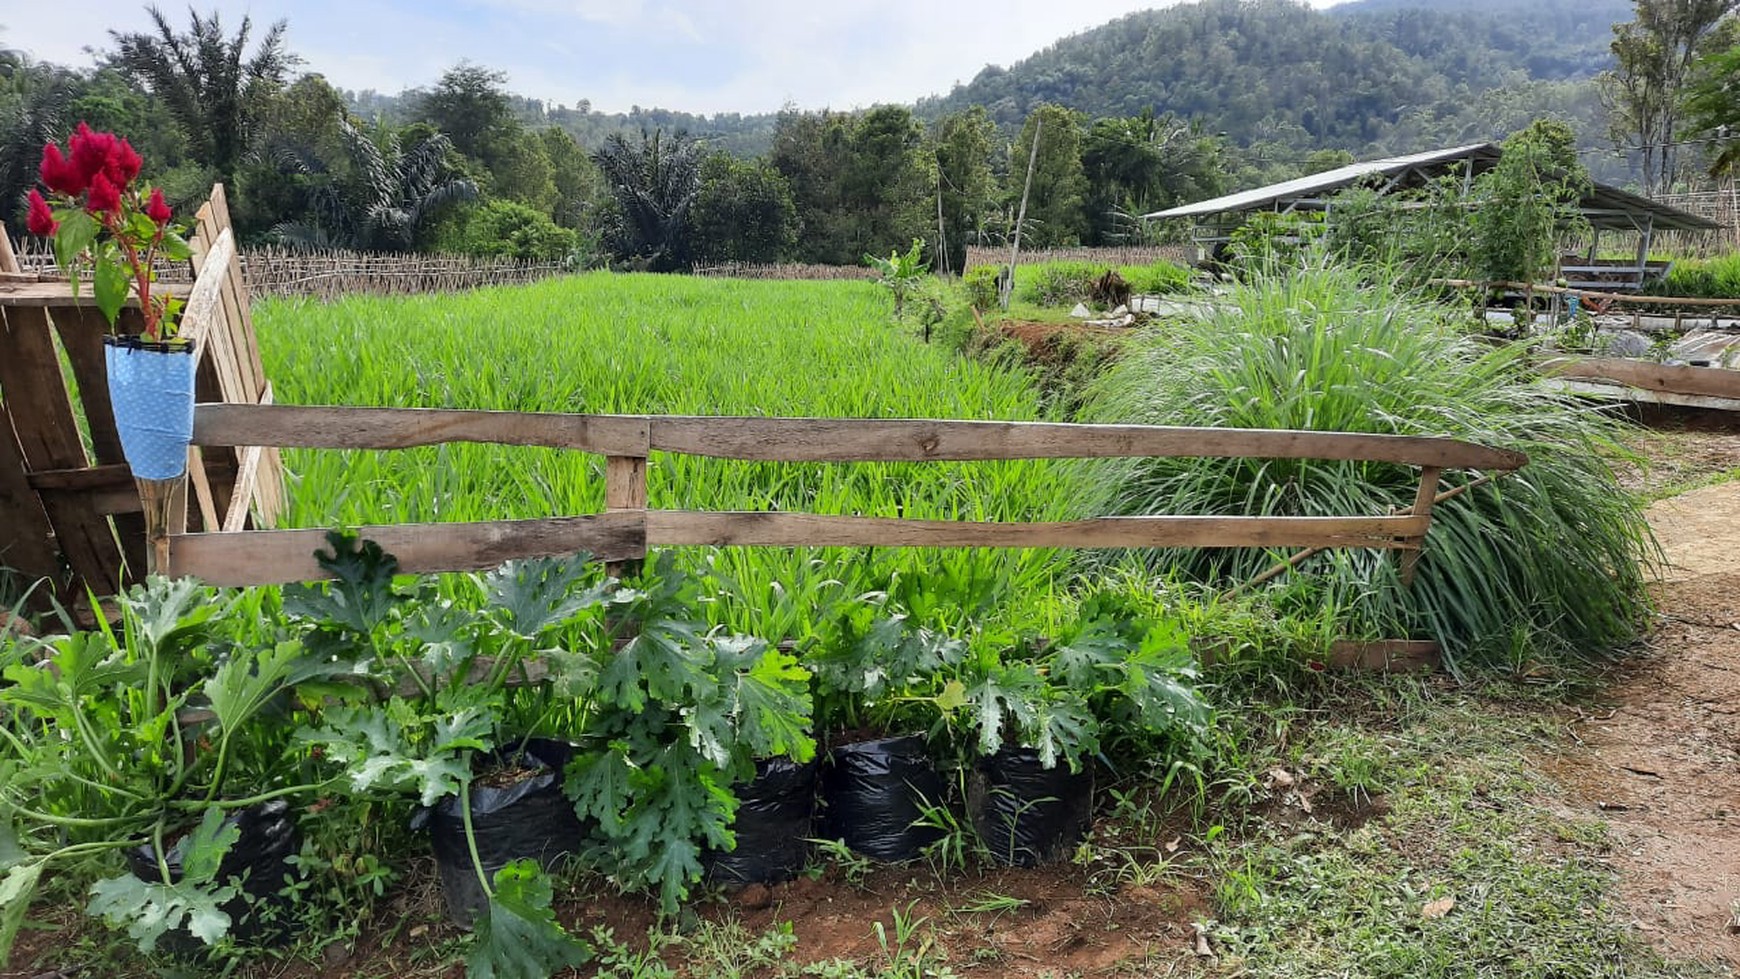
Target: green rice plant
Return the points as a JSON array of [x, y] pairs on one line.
[[1701, 278], [659, 344], [1555, 547]]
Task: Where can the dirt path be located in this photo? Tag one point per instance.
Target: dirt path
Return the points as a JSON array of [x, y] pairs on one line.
[[1659, 754]]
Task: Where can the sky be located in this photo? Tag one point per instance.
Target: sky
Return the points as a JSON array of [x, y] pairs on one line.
[[704, 56]]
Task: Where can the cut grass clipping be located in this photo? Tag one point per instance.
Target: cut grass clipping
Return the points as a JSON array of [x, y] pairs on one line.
[[1542, 563]]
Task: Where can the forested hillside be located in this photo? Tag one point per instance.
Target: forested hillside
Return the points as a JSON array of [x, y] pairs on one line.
[[1375, 76]]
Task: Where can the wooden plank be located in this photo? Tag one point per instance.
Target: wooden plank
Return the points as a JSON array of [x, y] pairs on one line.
[[757, 529], [202, 318], [1423, 497], [1386, 656], [269, 483], [8, 260], [106, 489], [58, 294], [1711, 382], [270, 557], [1620, 393], [921, 440], [812, 439], [48, 436], [26, 537], [625, 483], [246, 347], [81, 332], [246, 476], [198, 475], [298, 426]]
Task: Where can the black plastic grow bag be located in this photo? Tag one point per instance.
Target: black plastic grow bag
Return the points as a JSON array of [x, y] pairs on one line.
[[875, 792], [259, 861], [775, 820], [529, 818], [1027, 814]]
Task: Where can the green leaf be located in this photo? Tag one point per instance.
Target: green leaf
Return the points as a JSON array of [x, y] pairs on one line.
[[770, 700], [110, 288], [953, 696], [248, 681], [16, 890], [77, 231], [520, 937], [148, 910], [175, 247], [362, 595], [597, 783], [532, 596]]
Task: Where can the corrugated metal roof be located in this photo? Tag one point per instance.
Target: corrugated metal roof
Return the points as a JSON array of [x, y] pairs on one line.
[[1328, 180], [1606, 207]]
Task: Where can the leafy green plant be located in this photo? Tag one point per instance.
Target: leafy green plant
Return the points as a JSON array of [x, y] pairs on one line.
[[900, 272], [443, 670], [117, 741], [678, 714]]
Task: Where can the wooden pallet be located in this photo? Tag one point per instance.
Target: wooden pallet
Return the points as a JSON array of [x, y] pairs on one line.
[[69, 508]]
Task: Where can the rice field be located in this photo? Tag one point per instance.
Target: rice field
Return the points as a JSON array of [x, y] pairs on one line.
[[603, 343]]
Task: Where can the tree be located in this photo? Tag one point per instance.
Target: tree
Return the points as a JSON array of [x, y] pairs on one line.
[[1145, 163], [505, 229], [1654, 55], [579, 186], [470, 105], [654, 185], [1056, 210], [216, 94], [961, 144], [1527, 203], [743, 212], [810, 150], [388, 199], [36, 105], [1712, 108]]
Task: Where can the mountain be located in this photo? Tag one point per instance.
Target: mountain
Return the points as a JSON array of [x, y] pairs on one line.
[[1376, 76]]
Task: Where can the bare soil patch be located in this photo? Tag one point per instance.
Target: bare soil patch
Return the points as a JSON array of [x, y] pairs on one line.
[[1658, 753]]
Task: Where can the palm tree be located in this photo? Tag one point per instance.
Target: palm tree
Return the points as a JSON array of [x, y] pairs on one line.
[[215, 93], [35, 108], [384, 202], [655, 185]]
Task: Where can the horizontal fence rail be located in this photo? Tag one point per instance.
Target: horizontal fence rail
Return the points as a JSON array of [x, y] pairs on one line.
[[628, 527]]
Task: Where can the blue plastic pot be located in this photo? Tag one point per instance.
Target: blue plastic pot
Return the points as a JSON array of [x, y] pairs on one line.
[[151, 390]]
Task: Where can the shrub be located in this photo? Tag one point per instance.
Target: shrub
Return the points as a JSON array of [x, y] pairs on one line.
[[1546, 561], [981, 285], [1056, 283], [506, 229]]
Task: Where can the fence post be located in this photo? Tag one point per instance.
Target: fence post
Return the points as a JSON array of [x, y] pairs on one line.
[[1423, 500], [625, 489]]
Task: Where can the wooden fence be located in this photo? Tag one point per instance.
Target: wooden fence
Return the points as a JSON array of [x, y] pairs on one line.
[[785, 271], [331, 273], [69, 509], [1721, 206], [628, 527], [1120, 255]]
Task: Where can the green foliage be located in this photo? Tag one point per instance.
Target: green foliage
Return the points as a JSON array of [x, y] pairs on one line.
[[1056, 283], [149, 909], [655, 184], [1269, 242], [980, 283], [859, 182], [1526, 204], [743, 212], [1707, 278], [961, 144], [1553, 551], [1712, 108], [1057, 200], [520, 937], [677, 716], [900, 272], [507, 229]]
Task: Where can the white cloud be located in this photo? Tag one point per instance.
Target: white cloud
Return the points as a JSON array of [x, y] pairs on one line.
[[693, 55]]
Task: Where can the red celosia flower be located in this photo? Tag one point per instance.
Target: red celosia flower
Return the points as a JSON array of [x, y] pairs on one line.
[[124, 163], [91, 152], [59, 174], [40, 220], [157, 209], [104, 196]]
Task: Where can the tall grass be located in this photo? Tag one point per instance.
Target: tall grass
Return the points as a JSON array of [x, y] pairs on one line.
[[1544, 561], [1701, 278], [658, 345]]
